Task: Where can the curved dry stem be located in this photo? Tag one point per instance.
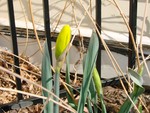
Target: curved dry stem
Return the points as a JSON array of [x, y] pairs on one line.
[[131, 34], [77, 30], [45, 103], [27, 36], [75, 75], [141, 47], [140, 99], [64, 83], [74, 14], [141, 37], [65, 7], [33, 24]]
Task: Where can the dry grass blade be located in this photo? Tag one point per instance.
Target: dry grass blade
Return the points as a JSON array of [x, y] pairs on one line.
[[38, 96], [45, 103], [141, 37], [33, 24], [27, 38], [128, 27], [29, 81], [65, 6]]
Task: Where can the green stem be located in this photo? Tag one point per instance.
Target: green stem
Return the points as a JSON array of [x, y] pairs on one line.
[[56, 89], [47, 79]]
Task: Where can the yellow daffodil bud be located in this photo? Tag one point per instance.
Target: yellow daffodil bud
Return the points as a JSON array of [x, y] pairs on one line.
[[97, 81], [62, 42]]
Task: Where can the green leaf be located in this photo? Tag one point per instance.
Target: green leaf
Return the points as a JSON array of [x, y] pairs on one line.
[[126, 107], [99, 89], [62, 41], [93, 96], [47, 78], [70, 98], [140, 108], [135, 77], [88, 69], [89, 104], [137, 91]]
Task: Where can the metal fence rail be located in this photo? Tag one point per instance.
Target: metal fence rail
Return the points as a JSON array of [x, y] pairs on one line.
[[33, 101]]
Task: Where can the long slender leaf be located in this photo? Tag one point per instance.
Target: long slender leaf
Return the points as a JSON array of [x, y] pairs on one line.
[[137, 91], [70, 97], [89, 105], [93, 96], [88, 69], [47, 78], [126, 107]]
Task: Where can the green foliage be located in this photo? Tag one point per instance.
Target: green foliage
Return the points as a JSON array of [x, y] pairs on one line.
[[89, 103], [56, 89], [47, 78], [137, 91], [70, 97], [87, 72], [92, 97], [99, 89], [62, 42], [91, 88]]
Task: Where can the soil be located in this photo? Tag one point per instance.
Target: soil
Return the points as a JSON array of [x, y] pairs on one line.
[[113, 95]]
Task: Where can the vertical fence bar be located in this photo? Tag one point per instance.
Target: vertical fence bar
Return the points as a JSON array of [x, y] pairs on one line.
[[98, 22], [15, 45], [47, 26], [132, 24]]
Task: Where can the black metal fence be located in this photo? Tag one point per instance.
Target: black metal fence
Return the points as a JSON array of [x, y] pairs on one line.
[[131, 52]]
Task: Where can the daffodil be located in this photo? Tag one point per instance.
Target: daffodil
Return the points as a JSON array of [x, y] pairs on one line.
[[62, 42]]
